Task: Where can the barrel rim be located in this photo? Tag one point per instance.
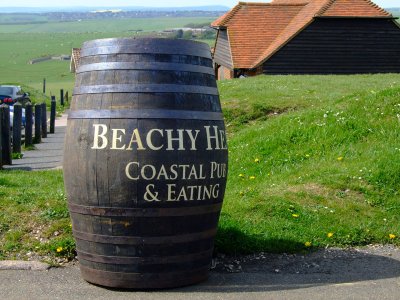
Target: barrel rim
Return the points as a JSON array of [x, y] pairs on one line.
[[144, 280], [131, 49], [143, 260], [97, 42], [146, 114], [146, 66], [145, 88]]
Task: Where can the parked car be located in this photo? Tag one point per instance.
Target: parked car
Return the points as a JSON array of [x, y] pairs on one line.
[[10, 94]]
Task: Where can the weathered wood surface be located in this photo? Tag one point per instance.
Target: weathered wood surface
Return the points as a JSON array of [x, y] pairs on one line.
[[53, 114], [222, 53], [145, 162], [38, 124], [5, 135], [340, 46], [29, 124], [43, 120]]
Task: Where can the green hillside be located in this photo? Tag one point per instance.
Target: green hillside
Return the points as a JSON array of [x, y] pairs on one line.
[[314, 162]]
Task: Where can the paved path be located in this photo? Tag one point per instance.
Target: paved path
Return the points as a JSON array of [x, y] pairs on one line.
[[371, 273], [48, 154]]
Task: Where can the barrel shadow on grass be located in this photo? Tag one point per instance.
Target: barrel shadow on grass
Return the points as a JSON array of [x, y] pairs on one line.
[[233, 241]]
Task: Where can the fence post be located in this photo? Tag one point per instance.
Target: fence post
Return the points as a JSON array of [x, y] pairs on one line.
[[62, 97], [17, 127], [44, 85], [28, 124], [52, 114], [66, 96], [44, 120], [38, 122], [5, 135]]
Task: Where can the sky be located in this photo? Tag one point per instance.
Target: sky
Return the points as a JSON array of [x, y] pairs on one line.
[[156, 3]]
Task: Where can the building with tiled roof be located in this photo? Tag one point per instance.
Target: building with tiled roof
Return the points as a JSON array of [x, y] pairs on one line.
[[306, 37]]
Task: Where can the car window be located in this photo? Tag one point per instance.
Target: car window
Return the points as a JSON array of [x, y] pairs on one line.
[[5, 90]]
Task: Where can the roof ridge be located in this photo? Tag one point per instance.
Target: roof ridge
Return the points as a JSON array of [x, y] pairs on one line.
[[373, 4], [221, 21], [230, 14], [369, 2], [325, 7], [271, 4]]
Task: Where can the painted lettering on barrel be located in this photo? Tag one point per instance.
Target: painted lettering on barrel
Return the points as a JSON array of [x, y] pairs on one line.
[[172, 181], [171, 139]]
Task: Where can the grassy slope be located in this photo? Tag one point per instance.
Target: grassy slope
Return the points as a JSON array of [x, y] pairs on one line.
[[300, 192], [329, 164]]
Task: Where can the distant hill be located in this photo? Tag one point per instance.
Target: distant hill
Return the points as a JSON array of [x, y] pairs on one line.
[[124, 8]]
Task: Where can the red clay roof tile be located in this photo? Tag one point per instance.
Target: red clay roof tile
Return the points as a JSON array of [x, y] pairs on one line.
[[257, 30], [354, 8]]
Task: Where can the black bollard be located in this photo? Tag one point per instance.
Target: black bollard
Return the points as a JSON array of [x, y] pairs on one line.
[[28, 124], [5, 135], [38, 123], [44, 120], [62, 97], [53, 114], [17, 127], [44, 85]]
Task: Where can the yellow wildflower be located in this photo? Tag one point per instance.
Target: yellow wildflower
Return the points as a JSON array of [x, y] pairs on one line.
[[59, 249], [340, 158], [330, 234], [241, 175], [252, 177], [307, 244], [392, 236], [257, 160], [295, 215]]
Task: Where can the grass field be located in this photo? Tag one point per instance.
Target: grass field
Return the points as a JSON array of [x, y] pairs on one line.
[[21, 43], [314, 162], [105, 26]]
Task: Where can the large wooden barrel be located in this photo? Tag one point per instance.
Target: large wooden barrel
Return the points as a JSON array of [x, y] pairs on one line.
[[145, 162]]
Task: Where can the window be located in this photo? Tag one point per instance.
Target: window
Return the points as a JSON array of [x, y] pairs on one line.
[[6, 91]]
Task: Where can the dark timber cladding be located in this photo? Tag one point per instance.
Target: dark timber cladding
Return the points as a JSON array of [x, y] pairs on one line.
[[222, 53], [147, 162], [340, 46]]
